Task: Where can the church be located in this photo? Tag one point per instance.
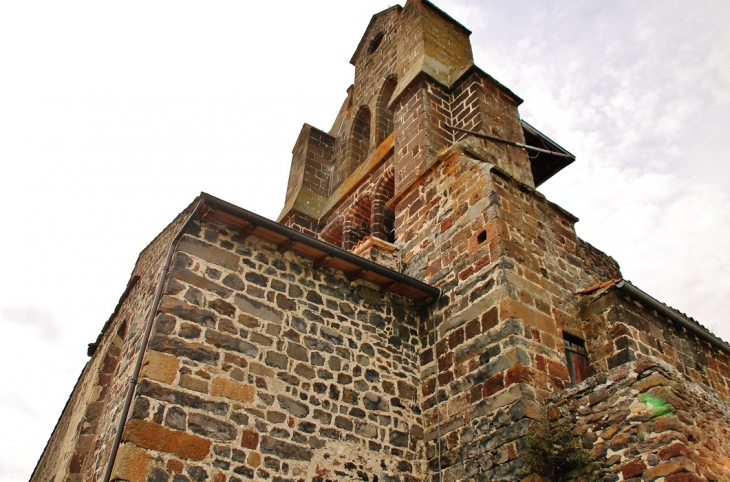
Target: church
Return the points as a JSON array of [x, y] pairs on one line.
[[415, 312]]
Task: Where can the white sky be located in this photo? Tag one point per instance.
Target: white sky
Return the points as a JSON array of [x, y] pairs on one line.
[[115, 115]]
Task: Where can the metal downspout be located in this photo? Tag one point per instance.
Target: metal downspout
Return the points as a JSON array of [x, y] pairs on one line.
[[663, 310], [145, 339], [432, 311]]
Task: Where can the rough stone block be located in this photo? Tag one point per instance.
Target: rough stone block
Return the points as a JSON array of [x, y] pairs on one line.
[[510, 308], [132, 464], [180, 348], [155, 437], [285, 450], [633, 469], [208, 252], [187, 311], [229, 342], [249, 439], [159, 366], [673, 466], [689, 477], [233, 390], [211, 427], [675, 450], [258, 309]]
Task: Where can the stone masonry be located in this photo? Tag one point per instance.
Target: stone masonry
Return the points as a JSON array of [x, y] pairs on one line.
[[416, 307], [646, 421]]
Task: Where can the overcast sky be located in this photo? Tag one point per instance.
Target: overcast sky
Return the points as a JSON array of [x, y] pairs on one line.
[[115, 115]]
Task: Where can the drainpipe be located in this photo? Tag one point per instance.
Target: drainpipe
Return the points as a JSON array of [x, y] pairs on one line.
[[664, 310], [433, 309], [145, 339]]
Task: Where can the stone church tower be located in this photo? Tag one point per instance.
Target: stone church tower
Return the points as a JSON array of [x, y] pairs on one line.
[[417, 305]]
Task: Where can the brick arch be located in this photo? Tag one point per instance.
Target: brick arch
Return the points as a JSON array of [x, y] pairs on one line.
[[384, 115], [332, 232], [90, 442], [382, 220], [357, 221], [359, 144]]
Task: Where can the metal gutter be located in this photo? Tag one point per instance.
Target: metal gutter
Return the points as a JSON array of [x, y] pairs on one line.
[[145, 339], [326, 248], [664, 310]]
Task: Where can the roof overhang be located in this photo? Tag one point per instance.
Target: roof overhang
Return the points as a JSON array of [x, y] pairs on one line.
[[321, 253], [544, 165], [681, 319]]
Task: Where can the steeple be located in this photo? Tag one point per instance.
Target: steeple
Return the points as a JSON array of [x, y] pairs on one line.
[[416, 93]]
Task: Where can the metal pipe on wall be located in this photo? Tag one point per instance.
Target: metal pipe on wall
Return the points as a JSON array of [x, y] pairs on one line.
[[145, 339], [511, 143]]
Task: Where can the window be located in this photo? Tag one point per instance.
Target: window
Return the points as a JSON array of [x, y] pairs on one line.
[[375, 43], [577, 357]]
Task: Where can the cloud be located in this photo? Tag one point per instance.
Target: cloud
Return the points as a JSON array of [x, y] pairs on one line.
[[12, 401], [636, 92], [35, 317]]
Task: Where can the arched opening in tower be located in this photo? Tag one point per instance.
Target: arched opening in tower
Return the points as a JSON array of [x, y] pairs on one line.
[[359, 139], [384, 124], [357, 222]]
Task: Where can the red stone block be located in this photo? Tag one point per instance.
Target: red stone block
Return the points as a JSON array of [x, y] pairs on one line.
[[175, 466], [558, 370], [77, 462], [674, 450], [456, 338], [541, 363], [466, 273], [445, 362], [445, 224], [428, 387], [472, 329], [493, 385], [475, 394], [684, 477], [441, 347], [155, 437], [445, 378], [633, 469], [490, 319], [485, 260], [249, 439], [518, 374]]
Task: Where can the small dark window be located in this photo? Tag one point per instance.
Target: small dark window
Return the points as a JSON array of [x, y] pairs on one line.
[[577, 357], [481, 237], [375, 43]]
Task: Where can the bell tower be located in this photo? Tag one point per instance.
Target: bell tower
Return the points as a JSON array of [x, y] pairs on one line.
[[426, 170]]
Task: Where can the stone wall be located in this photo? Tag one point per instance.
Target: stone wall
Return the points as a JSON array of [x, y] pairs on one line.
[[507, 262], [261, 367], [477, 100], [309, 178], [620, 330], [646, 421], [79, 447]]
